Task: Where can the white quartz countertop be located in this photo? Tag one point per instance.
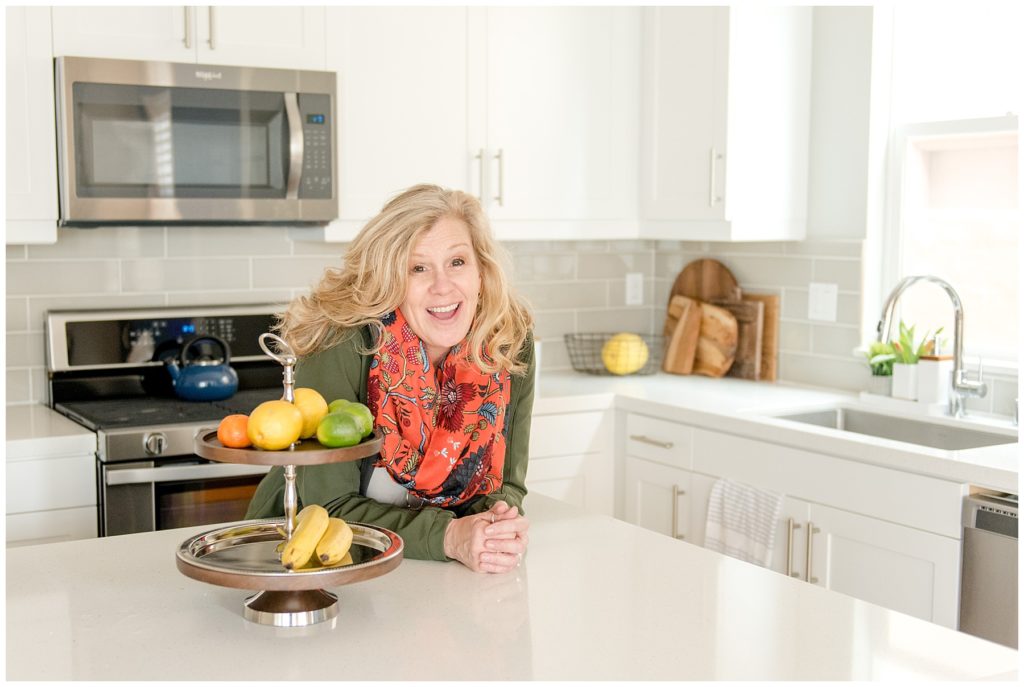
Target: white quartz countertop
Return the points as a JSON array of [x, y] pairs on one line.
[[595, 599], [746, 408], [35, 431]]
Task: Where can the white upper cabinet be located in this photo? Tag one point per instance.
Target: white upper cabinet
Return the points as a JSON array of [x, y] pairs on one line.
[[31, 131], [725, 123], [282, 36], [534, 110], [125, 32], [402, 104], [558, 134], [289, 37]]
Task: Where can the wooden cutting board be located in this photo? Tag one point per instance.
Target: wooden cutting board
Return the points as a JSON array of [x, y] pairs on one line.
[[716, 346], [706, 280], [684, 314], [770, 335], [750, 324]]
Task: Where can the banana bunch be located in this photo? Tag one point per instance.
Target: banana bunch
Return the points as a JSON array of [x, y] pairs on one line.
[[318, 541]]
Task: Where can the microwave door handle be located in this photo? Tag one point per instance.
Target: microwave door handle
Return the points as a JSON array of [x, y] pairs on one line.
[[182, 472], [296, 144]]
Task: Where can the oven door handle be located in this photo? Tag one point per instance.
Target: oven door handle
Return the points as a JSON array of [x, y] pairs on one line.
[[174, 473]]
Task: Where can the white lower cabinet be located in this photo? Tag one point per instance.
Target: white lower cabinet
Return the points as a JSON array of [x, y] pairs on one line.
[[51, 499], [571, 459], [887, 537], [657, 497]]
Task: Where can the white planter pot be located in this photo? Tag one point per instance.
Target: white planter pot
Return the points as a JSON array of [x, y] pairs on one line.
[[880, 385], [904, 381]]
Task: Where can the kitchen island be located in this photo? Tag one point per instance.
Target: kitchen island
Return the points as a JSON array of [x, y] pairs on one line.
[[595, 599]]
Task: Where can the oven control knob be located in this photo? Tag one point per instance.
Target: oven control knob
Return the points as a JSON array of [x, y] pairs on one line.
[[155, 443]]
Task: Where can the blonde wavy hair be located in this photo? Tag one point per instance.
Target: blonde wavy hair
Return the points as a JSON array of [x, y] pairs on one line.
[[374, 277]]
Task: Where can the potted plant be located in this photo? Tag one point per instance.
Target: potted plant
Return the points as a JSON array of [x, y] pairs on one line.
[[904, 366], [880, 356]]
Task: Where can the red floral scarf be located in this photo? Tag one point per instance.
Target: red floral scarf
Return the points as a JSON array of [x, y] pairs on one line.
[[443, 428]]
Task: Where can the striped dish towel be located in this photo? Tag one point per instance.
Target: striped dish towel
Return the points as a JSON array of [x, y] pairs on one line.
[[742, 521]]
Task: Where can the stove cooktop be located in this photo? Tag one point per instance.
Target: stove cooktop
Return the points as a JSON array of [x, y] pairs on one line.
[[151, 411]]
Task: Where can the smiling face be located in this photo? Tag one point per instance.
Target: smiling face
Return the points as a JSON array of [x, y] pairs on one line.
[[444, 286]]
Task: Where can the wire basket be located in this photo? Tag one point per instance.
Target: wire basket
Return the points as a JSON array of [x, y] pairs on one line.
[[615, 353]]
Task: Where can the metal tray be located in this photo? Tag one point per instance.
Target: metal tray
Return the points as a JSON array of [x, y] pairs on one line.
[[306, 452], [243, 556]]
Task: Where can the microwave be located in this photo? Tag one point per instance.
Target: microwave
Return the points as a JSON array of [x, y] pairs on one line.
[[169, 143]]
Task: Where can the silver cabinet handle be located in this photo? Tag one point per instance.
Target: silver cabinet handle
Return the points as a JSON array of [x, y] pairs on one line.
[[500, 157], [653, 442], [811, 531], [676, 493], [188, 27], [210, 38], [480, 156], [296, 144], [712, 198], [789, 548]]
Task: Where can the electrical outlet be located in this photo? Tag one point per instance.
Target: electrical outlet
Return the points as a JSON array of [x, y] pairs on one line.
[[821, 302], [634, 288]]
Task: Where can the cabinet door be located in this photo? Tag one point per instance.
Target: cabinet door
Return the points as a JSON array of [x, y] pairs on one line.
[[125, 32], [280, 36], [897, 567], [657, 497], [402, 121], [698, 496], [560, 110], [562, 478], [31, 147], [684, 99]]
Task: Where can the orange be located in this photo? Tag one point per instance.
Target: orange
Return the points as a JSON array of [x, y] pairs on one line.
[[233, 431], [274, 425], [313, 408]]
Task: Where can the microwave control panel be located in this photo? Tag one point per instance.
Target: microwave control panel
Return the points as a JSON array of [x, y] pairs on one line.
[[317, 129]]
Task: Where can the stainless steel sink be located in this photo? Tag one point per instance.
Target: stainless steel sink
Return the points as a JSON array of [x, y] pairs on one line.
[[919, 432]]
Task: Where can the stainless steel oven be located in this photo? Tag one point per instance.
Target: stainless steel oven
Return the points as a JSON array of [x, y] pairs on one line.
[[161, 142], [106, 373]]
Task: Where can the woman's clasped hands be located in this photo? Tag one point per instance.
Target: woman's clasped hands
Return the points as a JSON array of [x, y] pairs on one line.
[[493, 541]]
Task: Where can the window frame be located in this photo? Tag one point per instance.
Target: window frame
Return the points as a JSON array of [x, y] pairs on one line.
[[892, 234]]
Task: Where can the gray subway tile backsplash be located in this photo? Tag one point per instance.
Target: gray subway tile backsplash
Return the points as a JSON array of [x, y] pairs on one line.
[[571, 286]]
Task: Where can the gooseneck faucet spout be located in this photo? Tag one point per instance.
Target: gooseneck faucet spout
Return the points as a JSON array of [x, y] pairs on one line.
[[962, 387]]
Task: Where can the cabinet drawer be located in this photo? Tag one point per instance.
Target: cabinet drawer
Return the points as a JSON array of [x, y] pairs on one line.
[[669, 443], [569, 434], [919, 501], [36, 485], [50, 526]]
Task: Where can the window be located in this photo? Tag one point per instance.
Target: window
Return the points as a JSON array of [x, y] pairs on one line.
[[953, 177]]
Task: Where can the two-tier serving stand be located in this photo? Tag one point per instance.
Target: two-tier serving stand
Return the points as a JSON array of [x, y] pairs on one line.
[[245, 555]]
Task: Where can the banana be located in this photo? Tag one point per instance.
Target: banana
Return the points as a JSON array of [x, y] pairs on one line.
[[311, 523], [335, 542]]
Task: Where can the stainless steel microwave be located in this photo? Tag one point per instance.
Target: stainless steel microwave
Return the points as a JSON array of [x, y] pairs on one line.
[[169, 143]]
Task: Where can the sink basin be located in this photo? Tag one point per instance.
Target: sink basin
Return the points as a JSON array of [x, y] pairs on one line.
[[920, 432]]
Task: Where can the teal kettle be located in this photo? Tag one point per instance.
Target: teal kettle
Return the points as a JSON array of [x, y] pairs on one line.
[[201, 372]]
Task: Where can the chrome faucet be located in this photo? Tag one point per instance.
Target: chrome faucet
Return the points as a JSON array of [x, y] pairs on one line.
[[962, 387]]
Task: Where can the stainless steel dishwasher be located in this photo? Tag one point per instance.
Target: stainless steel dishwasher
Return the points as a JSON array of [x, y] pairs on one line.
[[988, 576]]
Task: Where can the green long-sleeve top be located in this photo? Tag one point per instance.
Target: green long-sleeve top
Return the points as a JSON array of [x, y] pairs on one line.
[[341, 372]]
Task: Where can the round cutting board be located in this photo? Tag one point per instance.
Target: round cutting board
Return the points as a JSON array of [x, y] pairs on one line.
[[706, 280]]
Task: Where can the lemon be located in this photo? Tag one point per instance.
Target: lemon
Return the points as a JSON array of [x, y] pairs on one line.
[[339, 429], [362, 415], [313, 408], [624, 354], [274, 425]]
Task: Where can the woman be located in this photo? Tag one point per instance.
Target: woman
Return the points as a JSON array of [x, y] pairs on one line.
[[420, 326]]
